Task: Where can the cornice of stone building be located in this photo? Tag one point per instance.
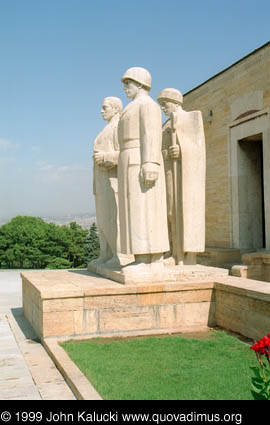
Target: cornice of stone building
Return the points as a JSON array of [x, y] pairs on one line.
[[266, 45]]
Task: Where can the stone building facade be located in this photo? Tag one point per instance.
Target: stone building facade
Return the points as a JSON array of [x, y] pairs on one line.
[[236, 105]]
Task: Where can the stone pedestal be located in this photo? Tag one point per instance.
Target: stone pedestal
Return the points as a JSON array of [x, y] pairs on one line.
[[256, 265], [159, 274], [77, 303], [80, 304]]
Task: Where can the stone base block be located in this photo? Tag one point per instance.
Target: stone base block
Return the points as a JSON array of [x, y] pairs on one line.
[[74, 303], [163, 274], [243, 306], [256, 265], [79, 303], [219, 257]]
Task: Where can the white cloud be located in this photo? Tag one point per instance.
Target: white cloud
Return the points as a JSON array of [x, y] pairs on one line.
[[63, 168], [44, 188], [41, 163], [52, 174], [46, 167], [8, 145]]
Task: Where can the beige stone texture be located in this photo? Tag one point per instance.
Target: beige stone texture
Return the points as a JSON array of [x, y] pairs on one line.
[[196, 296], [239, 271], [167, 273], [238, 304], [79, 384], [243, 306], [107, 306], [58, 323], [141, 179], [60, 304], [46, 377], [267, 273], [247, 102], [91, 322], [259, 306], [150, 299], [255, 258], [126, 319], [105, 183], [183, 149], [78, 321], [223, 99], [256, 265], [180, 316], [199, 314], [232, 300], [16, 381], [219, 257], [167, 317], [109, 301]]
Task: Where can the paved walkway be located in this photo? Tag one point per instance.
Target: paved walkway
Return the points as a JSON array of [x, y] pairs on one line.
[[26, 370]]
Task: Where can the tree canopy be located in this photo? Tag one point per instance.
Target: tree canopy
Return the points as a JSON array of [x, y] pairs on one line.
[[30, 242]]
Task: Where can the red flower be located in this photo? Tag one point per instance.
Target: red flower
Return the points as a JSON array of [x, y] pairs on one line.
[[262, 346]]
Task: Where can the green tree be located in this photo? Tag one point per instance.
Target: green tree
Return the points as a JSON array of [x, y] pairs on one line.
[[91, 244], [58, 263], [76, 244], [29, 242], [22, 237]]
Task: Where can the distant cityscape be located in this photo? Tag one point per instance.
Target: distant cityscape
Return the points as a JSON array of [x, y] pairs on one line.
[[84, 220]]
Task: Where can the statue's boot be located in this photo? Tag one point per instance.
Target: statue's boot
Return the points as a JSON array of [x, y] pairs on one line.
[[137, 268], [113, 262], [100, 260], [147, 263], [169, 260]]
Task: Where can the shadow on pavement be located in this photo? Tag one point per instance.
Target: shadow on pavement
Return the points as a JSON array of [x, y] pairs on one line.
[[24, 325]]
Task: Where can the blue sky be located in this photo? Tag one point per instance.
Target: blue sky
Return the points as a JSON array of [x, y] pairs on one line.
[[60, 58]]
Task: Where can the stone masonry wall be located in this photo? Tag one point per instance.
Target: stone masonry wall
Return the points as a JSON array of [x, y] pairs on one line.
[[249, 75]]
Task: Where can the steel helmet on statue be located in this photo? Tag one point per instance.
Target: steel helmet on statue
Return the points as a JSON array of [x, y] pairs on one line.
[[171, 95], [139, 75]]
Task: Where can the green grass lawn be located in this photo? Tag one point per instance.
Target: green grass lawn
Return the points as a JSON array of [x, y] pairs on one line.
[[167, 367]]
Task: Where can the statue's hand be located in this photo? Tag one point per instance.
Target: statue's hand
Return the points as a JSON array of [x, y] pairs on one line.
[[149, 173], [98, 157], [108, 160], [174, 152], [109, 164]]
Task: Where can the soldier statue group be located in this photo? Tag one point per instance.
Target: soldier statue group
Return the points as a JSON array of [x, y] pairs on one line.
[[149, 179]]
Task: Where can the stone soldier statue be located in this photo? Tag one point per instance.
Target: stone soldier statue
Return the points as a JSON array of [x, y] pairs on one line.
[[183, 149], [106, 152], [141, 180]]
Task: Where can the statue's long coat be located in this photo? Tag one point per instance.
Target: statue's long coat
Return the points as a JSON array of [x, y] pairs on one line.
[[142, 211], [105, 186], [190, 180]]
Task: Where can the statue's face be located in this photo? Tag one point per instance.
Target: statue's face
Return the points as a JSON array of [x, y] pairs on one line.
[[168, 107], [131, 88], [107, 111]]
